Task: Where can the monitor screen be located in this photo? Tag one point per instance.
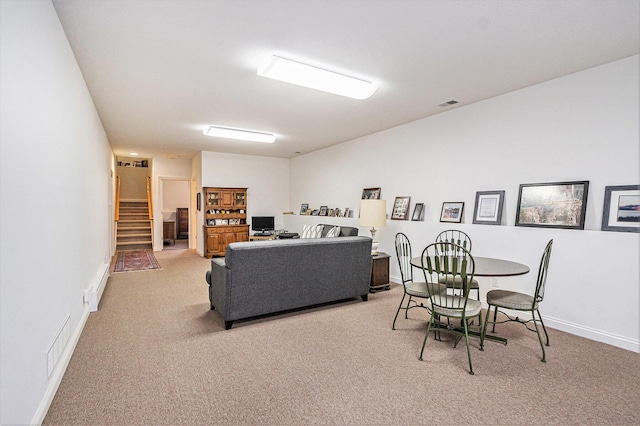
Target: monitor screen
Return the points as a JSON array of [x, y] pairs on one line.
[[262, 223]]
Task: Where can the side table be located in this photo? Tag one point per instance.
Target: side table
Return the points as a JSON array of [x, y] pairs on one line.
[[379, 273]]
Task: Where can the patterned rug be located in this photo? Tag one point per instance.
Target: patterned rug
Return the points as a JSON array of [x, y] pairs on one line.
[[136, 260]]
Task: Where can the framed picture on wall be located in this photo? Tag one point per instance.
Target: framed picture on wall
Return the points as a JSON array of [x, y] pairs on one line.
[[323, 210], [451, 212], [304, 208], [417, 211], [488, 208], [621, 210], [553, 205], [401, 208], [371, 194]]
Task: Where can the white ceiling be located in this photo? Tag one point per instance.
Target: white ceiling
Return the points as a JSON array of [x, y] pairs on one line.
[[159, 71]]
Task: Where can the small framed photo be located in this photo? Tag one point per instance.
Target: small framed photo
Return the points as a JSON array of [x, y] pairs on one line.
[[371, 194], [347, 212], [621, 208], [451, 212], [315, 212], [323, 211], [401, 208], [304, 208], [488, 208], [553, 205], [418, 210]]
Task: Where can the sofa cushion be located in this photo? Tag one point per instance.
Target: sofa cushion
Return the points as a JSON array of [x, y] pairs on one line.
[[312, 231], [333, 232], [345, 231]]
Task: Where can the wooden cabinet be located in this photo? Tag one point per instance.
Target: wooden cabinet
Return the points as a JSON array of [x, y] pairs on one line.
[[380, 272], [182, 223], [225, 219], [169, 232]]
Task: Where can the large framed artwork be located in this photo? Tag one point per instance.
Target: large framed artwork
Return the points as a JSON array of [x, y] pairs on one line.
[[488, 208], [621, 210], [552, 205]]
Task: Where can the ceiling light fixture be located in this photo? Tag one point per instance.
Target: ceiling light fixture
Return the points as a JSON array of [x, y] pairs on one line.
[[316, 78], [240, 134]]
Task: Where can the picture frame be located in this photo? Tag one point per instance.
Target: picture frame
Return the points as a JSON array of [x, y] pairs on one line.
[[418, 210], [371, 193], [347, 212], [304, 208], [621, 208], [452, 212], [315, 212], [553, 205], [323, 211], [488, 207], [401, 208], [198, 201]]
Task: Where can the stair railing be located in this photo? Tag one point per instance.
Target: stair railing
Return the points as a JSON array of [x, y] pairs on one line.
[[150, 206], [117, 215]]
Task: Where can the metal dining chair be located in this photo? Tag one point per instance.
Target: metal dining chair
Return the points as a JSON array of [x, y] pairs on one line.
[[445, 259], [463, 240], [505, 299], [412, 289]]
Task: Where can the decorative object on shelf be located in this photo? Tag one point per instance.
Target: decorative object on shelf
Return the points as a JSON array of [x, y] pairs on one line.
[[552, 205], [371, 194], [401, 208], [323, 210], [315, 212], [488, 208], [418, 210], [451, 212], [304, 208], [373, 213], [347, 212], [621, 208]]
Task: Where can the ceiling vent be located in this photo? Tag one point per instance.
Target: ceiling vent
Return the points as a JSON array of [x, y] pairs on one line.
[[446, 104]]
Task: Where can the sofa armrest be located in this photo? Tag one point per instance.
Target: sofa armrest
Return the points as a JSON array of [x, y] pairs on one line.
[[217, 279]]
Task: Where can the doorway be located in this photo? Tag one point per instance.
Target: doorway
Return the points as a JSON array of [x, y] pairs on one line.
[[175, 208]]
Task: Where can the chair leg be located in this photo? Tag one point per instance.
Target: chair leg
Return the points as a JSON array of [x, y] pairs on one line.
[[539, 338], [393, 327], [483, 330], [466, 338], [406, 312], [543, 327], [495, 317], [425, 336]]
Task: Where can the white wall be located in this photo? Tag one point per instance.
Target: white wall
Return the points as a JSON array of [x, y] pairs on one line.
[[266, 178], [580, 127], [56, 186]]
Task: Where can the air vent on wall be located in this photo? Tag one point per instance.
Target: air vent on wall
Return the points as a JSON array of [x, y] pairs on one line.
[[446, 104]]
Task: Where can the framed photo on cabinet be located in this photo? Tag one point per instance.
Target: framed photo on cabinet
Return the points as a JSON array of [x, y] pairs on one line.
[[553, 205], [621, 210], [488, 208]]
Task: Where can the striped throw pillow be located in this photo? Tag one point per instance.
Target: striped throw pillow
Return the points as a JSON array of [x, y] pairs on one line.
[[333, 232], [311, 231]]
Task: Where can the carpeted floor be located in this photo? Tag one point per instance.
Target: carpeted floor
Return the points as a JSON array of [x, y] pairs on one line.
[[135, 260], [154, 354]]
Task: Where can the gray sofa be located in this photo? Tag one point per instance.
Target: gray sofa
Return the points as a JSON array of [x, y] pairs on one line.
[[263, 277]]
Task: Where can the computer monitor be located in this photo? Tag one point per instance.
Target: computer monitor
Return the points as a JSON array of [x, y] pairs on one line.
[[263, 223]]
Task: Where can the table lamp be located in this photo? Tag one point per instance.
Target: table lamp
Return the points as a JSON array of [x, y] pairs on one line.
[[373, 213]]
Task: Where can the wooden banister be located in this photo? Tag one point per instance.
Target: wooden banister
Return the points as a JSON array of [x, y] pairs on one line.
[[117, 215], [149, 200]]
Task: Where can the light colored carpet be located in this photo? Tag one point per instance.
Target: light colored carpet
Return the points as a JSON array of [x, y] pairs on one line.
[[155, 354]]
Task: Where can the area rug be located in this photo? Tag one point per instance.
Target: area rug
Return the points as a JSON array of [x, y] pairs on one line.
[[136, 260]]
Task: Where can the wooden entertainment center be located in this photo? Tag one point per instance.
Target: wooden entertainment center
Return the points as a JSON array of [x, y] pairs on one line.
[[225, 219]]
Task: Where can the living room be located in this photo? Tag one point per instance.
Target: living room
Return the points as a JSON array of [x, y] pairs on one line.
[[56, 159]]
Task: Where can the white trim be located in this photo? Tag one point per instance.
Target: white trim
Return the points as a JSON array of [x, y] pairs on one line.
[[59, 370]]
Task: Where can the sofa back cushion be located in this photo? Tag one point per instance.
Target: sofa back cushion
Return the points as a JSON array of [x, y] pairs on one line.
[[345, 231]]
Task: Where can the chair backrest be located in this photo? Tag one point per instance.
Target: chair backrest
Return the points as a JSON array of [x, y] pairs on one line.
[[542, 272], [453, 263], [403, 253], [455, 237]]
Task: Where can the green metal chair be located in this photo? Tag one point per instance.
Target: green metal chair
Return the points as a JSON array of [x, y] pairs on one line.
[[441, 260], [511, 300], [461, 239], [411, 288]]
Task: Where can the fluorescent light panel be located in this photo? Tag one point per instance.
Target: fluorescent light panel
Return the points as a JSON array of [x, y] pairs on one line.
[[316, 78], [239, 134]]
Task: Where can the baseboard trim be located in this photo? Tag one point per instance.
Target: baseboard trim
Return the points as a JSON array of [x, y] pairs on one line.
[[59, 370]]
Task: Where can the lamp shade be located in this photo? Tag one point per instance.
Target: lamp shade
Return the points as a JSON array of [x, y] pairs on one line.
[[373, 213]]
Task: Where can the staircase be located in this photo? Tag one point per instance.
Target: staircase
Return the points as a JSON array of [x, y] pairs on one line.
[[134, 226]]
